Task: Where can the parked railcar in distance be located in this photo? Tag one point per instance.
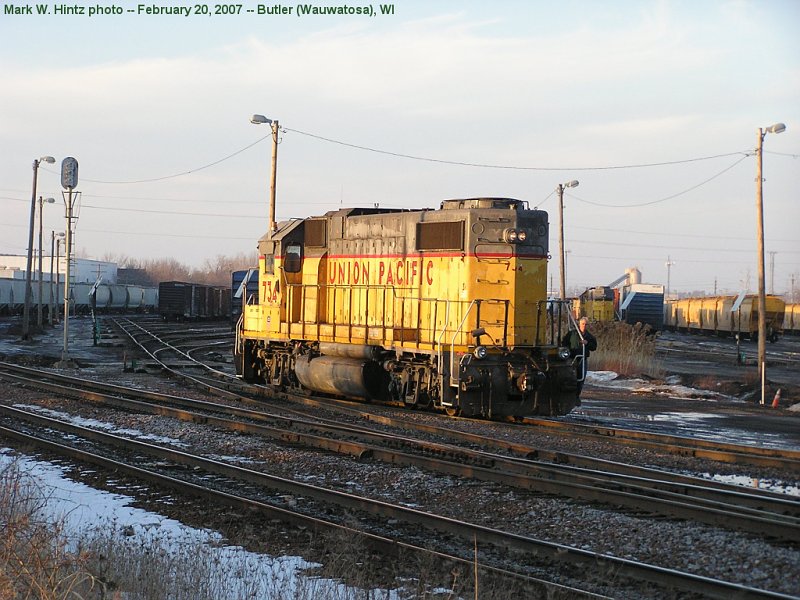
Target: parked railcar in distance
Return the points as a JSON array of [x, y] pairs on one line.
[[725, 315], [179, 300], [791, 319], [248, 295], [107, 298], [643, 303], [597, 304]]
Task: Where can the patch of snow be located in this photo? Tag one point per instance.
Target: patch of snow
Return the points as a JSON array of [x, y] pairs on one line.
[[82, 509], [596, 377], [673, 390], [95, 424], [762, 484]]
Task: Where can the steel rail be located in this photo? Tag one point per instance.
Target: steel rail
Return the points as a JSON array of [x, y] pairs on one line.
[[387, 546], [167, 346], [788, 460], [204, 385], [524, 454], [740, 456], [469, 531], [762, 516], [521, 451], [682, 446]]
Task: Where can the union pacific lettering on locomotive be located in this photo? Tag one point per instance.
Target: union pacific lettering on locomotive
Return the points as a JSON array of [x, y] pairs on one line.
[[442, 309]]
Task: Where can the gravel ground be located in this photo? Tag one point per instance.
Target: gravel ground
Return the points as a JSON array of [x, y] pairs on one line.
[[686, 546]]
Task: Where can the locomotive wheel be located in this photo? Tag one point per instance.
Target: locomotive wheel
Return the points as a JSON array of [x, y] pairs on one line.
[[452, 412]]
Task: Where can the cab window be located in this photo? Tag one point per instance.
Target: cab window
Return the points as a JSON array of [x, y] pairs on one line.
[[293, 260]]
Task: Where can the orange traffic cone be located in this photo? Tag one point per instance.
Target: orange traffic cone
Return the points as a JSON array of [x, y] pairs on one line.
[[776, 401]]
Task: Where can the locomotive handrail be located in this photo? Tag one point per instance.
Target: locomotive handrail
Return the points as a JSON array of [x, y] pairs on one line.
[[239, 326], [574, 323], [453, 342], [437, 334], [440, 356]]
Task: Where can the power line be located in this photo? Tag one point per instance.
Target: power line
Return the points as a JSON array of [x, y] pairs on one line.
[[195, 170], [512, 167], [420, 158], [659, 259], [673, 247], [672, 235], [686, 191]]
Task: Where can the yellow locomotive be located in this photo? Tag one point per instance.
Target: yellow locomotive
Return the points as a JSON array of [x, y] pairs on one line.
[[431, 308]]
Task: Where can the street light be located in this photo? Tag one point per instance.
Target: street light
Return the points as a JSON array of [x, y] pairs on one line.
[[54, 250], [560, 189], [262, 120], [41, 202], [26, 313], [762, 298]]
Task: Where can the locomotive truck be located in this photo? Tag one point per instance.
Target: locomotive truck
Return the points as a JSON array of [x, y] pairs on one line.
[[442, 308]]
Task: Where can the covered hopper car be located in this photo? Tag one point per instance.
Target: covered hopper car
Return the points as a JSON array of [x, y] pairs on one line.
[[791, 319], [431, 308], [107, 297], [725, 315]]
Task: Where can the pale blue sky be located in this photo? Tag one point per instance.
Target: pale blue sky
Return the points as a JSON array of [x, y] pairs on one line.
[[561, 86]]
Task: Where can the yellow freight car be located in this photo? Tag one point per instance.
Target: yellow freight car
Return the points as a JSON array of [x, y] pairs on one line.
[[438, 308], [791, 319], [729, 315]]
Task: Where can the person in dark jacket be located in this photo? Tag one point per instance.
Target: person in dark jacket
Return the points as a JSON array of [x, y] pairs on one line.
[[581, 343]]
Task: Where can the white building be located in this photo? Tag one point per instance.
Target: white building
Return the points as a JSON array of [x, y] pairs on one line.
[[83, 270]]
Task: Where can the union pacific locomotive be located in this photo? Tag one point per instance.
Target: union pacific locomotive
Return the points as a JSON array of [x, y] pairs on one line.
[[431, 308]]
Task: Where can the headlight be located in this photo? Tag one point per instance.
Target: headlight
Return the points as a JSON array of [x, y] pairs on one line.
[[480, 352], [515, 236], [563, 353]]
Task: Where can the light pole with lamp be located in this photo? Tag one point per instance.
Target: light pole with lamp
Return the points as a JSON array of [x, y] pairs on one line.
[[560, 189], [55, 246], [41, 203], [762, 298], [26, 313], [261, 120]]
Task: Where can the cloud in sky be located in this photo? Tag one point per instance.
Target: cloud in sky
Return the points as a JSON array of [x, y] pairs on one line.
[[532, 85]]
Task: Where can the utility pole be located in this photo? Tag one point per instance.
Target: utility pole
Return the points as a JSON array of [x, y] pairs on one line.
[[560, 190], [772, 272], [669, 264], [762, 297], [275, 127], [41, 205], [26, 312]]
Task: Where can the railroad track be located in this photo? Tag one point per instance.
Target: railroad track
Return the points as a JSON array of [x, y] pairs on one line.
[[633, 488], [230, 387], [701, 346], [246, 487], [155, 344]]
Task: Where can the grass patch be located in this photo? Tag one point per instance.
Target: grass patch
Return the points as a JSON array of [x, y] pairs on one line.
[[42, 558], [34, 558], [628, 350]]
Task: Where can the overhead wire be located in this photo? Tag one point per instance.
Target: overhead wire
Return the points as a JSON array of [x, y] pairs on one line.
[[511, 167], [182, 173], [651, 202]]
